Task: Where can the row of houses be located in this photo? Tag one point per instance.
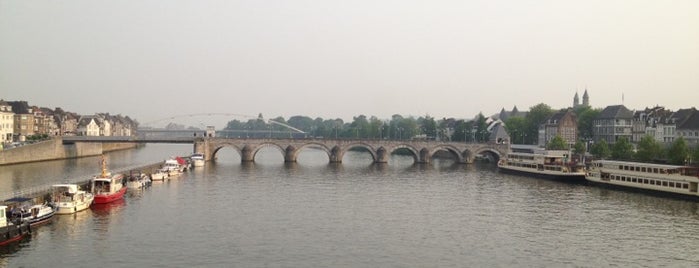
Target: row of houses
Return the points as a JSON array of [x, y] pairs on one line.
[[616, 122], [19, 121]]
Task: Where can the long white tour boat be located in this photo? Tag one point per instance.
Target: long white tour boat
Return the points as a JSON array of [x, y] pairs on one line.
[[68, 198], [679, 181], [545, 164]]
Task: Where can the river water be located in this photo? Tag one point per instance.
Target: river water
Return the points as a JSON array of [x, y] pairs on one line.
[[354, 214]]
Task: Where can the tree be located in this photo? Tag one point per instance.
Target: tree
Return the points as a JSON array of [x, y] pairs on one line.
[[695, 155], [678, 152], [516, 127], [600, 150], [622, 149], [586, 117], [481, 128], [557, 143], [579, 149], [537, 115], [648, 149]]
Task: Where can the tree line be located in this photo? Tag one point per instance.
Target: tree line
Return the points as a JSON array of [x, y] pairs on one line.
[[362, 127], [522, 130]]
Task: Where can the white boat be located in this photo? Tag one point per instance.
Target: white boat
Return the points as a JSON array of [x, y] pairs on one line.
[[198, 160], [174, 166], [137, 181], [24, 209], [546, 164], [680, 181], [68, 198], [159, 175]]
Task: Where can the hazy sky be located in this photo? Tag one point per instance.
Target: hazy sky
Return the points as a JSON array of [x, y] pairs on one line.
[[337, 59]]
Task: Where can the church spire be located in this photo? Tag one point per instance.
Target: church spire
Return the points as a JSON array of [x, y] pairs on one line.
[[576, 100], [586, 98]]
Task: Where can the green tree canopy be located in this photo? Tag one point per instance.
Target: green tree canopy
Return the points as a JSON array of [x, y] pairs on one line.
[[557, 143], [695, 155], [622, 149], [516, 127], [586, 116], [600, 150], [648, 149], [678, 152], [536, 116]]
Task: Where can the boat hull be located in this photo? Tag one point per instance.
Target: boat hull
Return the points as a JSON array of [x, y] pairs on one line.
[[63, 208], [631, 189], [12, 233], [578, 178], [198, 162], [111, 197]]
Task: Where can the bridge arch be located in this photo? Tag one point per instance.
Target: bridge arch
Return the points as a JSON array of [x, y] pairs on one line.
[[254, 149], [353, 145], [491, 152], [316, 145], [225, 145], [449, 148], [411, 149]]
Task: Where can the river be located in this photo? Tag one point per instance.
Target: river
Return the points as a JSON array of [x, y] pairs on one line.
[[354, 214]]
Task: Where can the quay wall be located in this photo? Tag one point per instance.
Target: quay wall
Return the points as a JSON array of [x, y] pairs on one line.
[[54, 149]]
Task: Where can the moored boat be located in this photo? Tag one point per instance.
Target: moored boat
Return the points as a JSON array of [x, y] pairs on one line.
[[159, 175], [69, 198], [11, 231], [546, 164], [198, 159], [175, 166], [23, 209], [137, 181], [107, 187], [678, 181]]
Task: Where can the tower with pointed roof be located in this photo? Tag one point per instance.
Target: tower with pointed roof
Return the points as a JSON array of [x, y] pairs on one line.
[[586, 98], [576, 100]]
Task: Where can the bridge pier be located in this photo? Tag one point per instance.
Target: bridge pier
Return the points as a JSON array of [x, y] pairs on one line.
[[247, 154], [290, 154], [336, 155]]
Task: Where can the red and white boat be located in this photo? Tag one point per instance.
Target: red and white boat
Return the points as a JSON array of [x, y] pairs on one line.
[[107, 187]]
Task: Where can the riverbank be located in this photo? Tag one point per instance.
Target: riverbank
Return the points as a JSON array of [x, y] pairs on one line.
[[54, 149]]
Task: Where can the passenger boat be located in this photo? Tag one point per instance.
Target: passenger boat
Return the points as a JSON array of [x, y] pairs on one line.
[[545, 164], [107, 187], [11, 231], [24, 209], [137, 181], [69, 198], [198, 159], [678, 181]]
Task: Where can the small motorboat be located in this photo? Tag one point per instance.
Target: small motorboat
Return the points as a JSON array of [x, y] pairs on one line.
[[24, 209], [107, 187], [137, 181], [69, 198]]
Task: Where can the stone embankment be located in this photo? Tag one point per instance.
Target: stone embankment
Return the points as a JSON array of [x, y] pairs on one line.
[[54, 149]]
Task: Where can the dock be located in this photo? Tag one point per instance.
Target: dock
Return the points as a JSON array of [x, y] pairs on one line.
[[40, 193]]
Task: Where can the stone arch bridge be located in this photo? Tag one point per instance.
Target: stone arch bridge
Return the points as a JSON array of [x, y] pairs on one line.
[[380, 150]]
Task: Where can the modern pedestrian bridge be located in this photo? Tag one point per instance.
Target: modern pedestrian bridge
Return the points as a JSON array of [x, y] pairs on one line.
[[290, 148]]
